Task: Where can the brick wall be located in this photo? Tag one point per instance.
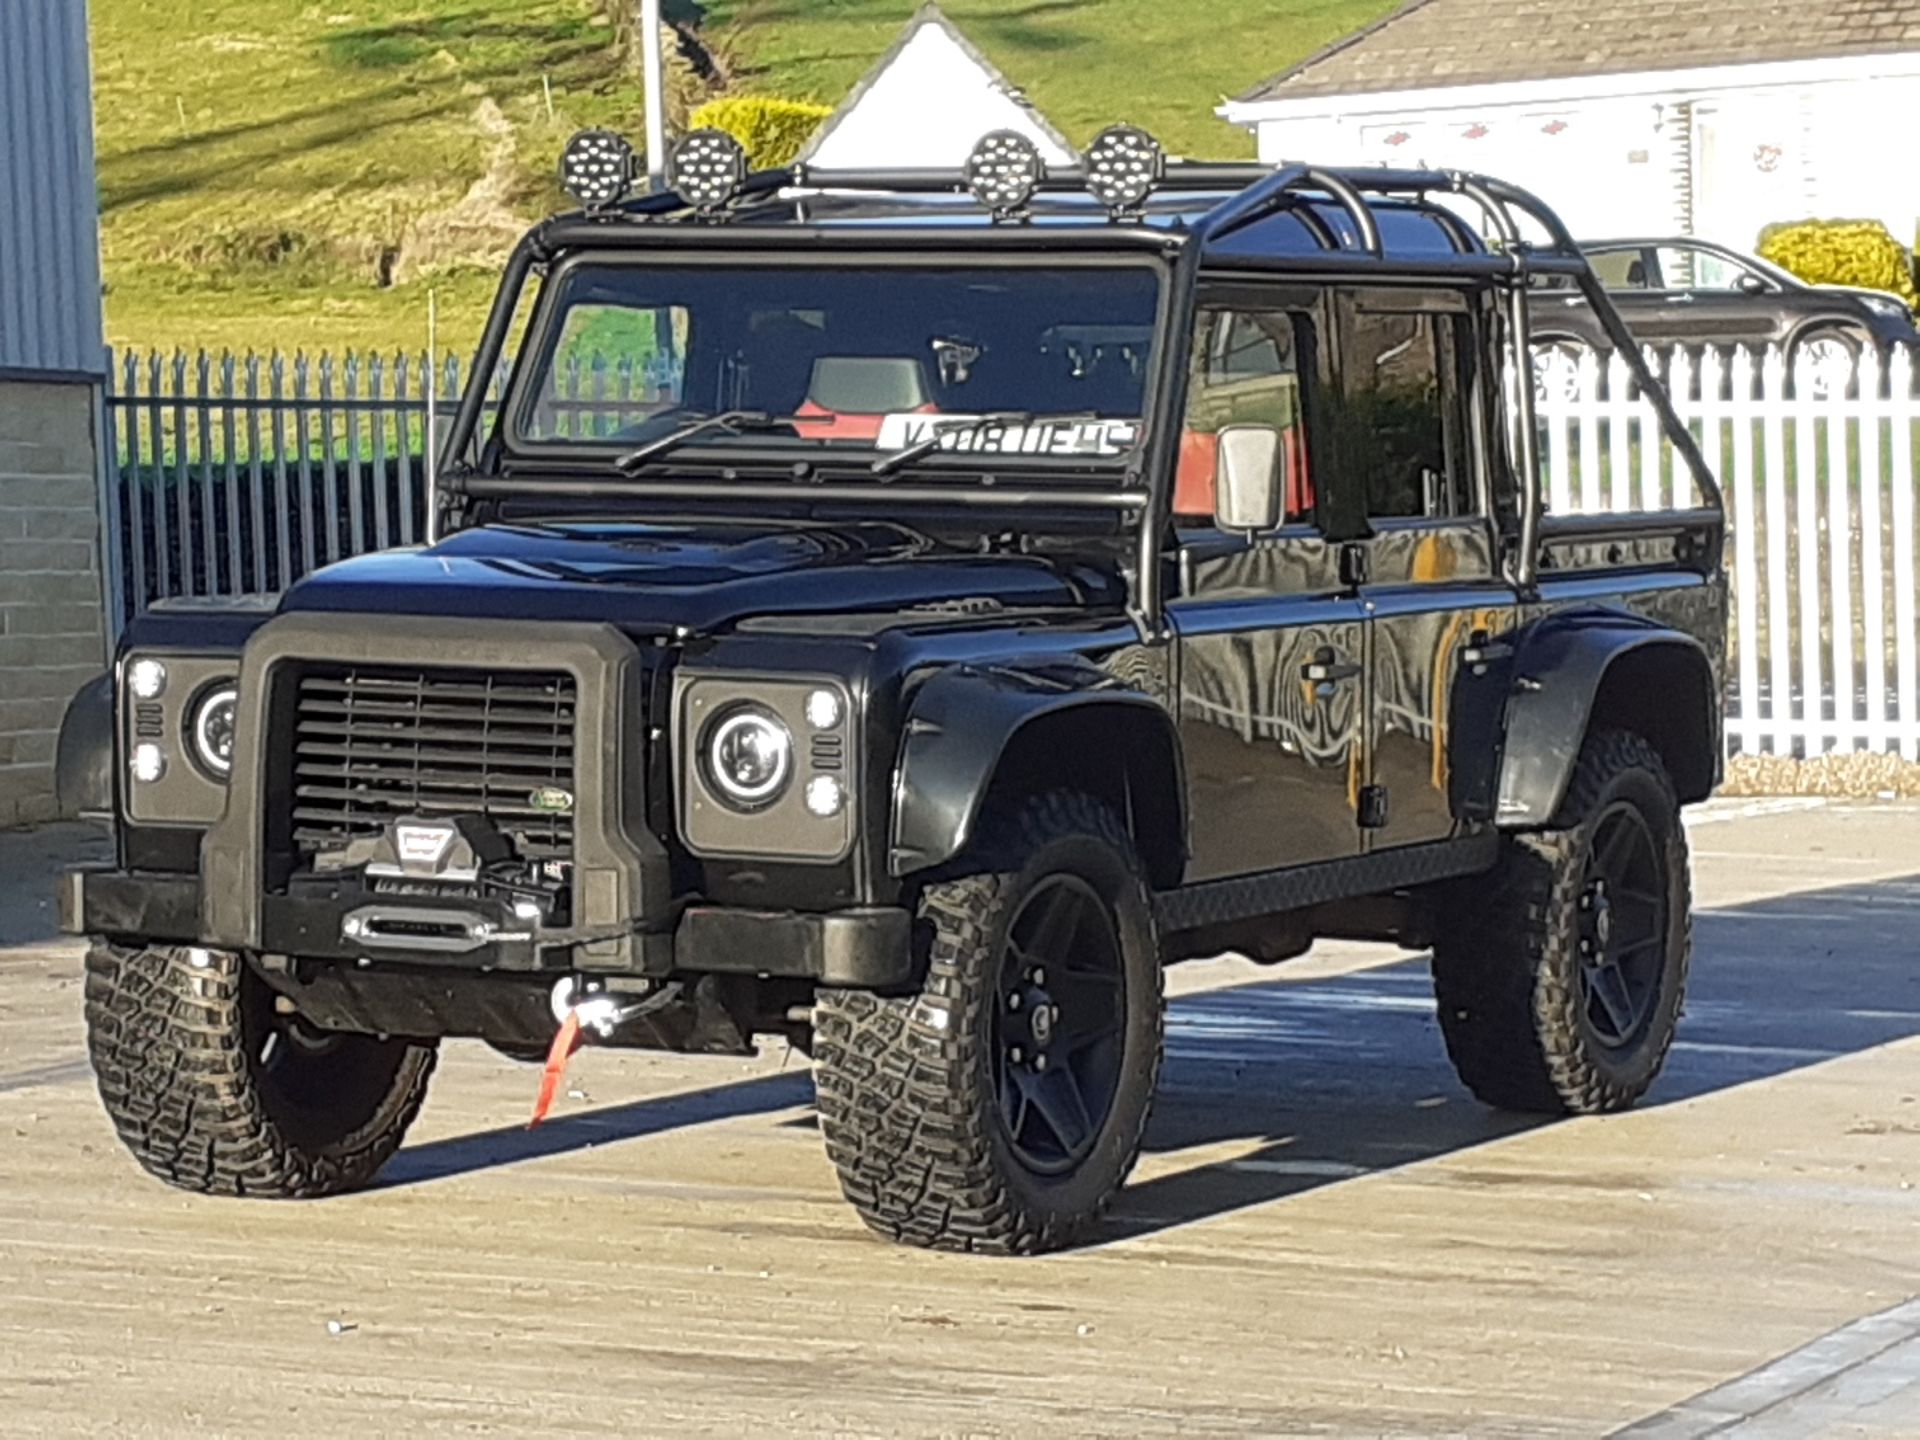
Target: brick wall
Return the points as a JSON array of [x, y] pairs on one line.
[[52, 637]]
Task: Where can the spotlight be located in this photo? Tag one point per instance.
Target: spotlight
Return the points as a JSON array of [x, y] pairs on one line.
[[596, 168], [1004, 171], [1124, 163], [707, 168]]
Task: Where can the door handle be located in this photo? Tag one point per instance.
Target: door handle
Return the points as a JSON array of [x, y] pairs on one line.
[[1327, 671], [1486, 653]]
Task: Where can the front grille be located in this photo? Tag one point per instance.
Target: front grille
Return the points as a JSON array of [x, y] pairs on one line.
[[377, 743]]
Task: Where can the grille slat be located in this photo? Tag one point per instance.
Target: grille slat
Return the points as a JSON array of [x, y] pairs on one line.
[[397, 713], [372, 744]]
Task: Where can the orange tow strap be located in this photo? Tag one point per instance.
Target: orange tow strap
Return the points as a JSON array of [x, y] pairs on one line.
[[564, 1044]]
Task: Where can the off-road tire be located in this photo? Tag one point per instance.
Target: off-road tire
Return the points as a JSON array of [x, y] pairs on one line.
[[904, 1082], [1506, 965], [177, 1052]]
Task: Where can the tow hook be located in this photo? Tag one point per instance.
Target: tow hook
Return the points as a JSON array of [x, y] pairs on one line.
[[585, 1007]]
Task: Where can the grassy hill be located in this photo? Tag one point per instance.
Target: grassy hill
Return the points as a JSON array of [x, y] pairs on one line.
[[282, 174]]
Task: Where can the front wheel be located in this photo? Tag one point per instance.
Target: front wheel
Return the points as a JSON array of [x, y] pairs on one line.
[[1824, 364], [1001, 1106], [1560, 976], [213, 1089]]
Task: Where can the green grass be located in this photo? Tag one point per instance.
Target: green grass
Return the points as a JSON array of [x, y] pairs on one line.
[[280, 174], [286, 175], [1163, 64]]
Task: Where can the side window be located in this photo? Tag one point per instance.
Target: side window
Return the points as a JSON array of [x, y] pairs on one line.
[[1683, 269], [1620, 269], [1401, 416], [1246, 370]]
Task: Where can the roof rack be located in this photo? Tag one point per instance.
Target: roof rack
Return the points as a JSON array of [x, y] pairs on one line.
[[1005, 172]]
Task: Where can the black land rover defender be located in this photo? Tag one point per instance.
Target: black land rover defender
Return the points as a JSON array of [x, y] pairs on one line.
[[902, 612]]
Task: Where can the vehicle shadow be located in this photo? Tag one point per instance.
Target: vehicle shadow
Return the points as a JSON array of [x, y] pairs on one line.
[[510, 1144], [1313, 1082], [1335, 1079]]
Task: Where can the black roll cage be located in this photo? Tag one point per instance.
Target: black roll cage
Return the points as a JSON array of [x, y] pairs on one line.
[[1255, 193]]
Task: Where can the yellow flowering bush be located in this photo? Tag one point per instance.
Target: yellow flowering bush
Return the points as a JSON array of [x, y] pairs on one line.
[[772, 130], [1842, 252]]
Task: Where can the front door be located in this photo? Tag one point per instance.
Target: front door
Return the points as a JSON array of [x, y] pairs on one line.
[[1271, 643], [1414, 400]]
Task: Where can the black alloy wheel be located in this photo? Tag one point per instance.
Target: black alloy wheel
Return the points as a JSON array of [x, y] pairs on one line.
[[1057, 1031], [999, 1104], [1623, 928]]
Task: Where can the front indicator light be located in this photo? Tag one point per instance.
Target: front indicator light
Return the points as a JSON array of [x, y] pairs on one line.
[[147, 679], [149, 763], [825, 796], [823, 709]]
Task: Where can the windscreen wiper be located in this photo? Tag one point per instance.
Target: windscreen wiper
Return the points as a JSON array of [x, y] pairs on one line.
[[927, 444], [732, 421]]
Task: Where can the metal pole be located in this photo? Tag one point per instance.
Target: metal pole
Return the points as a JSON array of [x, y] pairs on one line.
[[433, 418], [656, 86]]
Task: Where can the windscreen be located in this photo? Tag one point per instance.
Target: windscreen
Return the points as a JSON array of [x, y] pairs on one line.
[[874, 357]]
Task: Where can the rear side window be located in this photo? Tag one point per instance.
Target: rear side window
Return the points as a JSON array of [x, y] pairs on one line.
[[1400, 413], [1621, 269]]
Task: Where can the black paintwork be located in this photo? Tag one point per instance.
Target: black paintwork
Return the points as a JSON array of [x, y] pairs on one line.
[[83, 765], [1340, 707], [1767, 306], [702, 575]]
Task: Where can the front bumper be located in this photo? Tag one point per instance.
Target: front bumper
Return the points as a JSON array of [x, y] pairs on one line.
[[864, 948]]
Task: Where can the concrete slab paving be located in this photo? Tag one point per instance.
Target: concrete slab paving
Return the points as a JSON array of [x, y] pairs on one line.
[[1327, 1235]]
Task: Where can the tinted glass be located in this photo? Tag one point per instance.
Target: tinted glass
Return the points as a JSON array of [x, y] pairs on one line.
[[1246, 370], [634, 350], [1399, 411]]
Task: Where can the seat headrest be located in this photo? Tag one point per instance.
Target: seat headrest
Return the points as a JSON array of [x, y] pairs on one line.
[[867, 385]]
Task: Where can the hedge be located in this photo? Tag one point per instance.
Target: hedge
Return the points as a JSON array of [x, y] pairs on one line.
[[1842, 252], [773, 130]]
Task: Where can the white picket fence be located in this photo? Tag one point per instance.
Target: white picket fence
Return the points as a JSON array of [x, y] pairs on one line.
[[234, 477], [1818, 469]]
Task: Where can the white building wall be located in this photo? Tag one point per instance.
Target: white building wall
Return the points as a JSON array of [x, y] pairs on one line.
[[1722, 152]]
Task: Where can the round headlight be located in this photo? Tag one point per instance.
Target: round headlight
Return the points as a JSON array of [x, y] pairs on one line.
[[596, 168], [211, 730], [749, 755], [1004, 170], [1123, 165]]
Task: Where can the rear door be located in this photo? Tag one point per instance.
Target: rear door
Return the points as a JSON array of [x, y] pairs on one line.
[[1415, 397]]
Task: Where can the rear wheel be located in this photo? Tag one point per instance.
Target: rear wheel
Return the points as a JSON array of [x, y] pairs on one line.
[[1560, 977], [1001, 1106], [214, 1090], [1556, 372]]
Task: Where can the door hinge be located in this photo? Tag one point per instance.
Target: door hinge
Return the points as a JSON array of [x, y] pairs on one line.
[[1354, 568], [1373, 807]]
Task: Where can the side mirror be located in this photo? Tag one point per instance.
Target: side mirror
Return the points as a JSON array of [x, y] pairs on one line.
[[1750, 284], [1246, 481]]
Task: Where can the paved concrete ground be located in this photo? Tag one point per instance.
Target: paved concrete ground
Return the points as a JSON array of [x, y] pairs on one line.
[[1326, 1236]]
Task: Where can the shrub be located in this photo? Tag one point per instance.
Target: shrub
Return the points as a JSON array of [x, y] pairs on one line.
[[772, 130], [1842, 252]]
